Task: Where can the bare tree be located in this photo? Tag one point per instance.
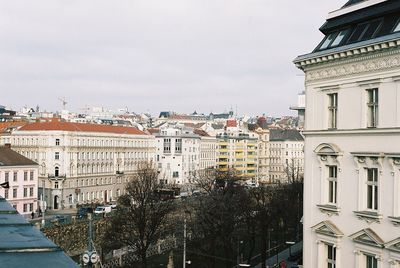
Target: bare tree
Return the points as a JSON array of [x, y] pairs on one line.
[[141, 217]]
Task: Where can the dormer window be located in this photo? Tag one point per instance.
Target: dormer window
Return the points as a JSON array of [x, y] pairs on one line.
[[339, 38], [328, 41], [397, 28]]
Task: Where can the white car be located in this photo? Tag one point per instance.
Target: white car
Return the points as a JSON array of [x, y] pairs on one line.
[[103, 209]]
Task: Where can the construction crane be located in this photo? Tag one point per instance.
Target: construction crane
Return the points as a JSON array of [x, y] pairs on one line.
[[63, 101]]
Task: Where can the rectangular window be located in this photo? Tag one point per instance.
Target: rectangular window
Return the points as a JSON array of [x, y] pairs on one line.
[[372, 106], [56, 185], [15, 176], [178, 146], [372, 188], [31, 176], [331, 256], [31, 207], [175, 174], [15, 193], [333, 105], [56, 155], [25, 192], [31, 191], [332, 184], [25, 207], [25, 175], [6, 193], [57, 142], [167, 145], [6, 176], [371, 262]]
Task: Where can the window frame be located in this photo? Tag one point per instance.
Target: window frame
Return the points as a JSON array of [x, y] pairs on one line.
[[332, 110], [372, 107], [332, 184], [372, 201]]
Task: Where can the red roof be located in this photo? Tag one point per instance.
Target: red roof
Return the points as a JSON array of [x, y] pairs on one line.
[[80, 127], [4, 126], [231, 123]]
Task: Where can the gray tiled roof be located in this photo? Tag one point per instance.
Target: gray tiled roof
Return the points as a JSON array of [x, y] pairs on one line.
[[22, 245], [9, 157], [285, 135]]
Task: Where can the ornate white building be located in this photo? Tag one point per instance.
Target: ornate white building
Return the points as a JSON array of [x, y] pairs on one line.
[[352, 145], [81, 163]]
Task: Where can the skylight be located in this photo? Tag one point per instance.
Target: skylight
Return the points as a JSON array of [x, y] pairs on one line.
[[397, 27], [327, 41], [339, 38]]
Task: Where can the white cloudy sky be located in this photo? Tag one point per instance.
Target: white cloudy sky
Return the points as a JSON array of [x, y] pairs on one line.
[[153, 55]]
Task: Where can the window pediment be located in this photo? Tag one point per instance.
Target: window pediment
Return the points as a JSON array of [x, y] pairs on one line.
[[368, 237], [327, 228], [326, 149], [393, 245]]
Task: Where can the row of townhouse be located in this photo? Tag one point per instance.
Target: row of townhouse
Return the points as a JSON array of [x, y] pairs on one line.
[[84, 163], [352, 144], [21, 175]]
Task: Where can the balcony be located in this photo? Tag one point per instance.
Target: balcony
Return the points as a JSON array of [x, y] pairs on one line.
[[52, 176]]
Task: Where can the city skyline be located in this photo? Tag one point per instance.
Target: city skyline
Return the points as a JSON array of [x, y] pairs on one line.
[[178, 56]]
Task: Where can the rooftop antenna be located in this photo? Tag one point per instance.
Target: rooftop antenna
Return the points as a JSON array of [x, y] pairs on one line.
[[64, 102]]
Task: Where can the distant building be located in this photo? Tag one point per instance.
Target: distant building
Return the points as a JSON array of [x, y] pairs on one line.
[[300, 108], [177, 154], [208, 150], [286, 155], [237, 149], [22, 175], [81, 163], [352, 139]]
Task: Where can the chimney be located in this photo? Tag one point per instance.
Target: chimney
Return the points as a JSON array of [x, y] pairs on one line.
[[7, 145]]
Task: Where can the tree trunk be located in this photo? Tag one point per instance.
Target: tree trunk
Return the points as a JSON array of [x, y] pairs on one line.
[[263, 250], [143, 258]]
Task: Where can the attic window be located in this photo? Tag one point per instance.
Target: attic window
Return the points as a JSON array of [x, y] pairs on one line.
[[339, 38], [327, 41], [397, 27]]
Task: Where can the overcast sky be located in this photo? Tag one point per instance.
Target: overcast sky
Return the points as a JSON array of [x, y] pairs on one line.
[[154, 55]]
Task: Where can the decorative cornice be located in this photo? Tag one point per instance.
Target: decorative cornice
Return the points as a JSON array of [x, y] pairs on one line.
[[307, 61], [369, 217], [329, 209], [355, 66]]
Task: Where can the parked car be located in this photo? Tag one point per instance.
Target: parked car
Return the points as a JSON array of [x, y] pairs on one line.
[[102, 209], [83, 211], [58, 219]]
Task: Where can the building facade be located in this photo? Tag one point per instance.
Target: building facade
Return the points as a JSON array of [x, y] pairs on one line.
[[177, 154], [352, 145], [21, 174], [81, 163], [286, 155], [237, 149]]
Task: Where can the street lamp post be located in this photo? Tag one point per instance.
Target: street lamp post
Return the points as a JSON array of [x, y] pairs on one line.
[[184, 243], [290, 243]]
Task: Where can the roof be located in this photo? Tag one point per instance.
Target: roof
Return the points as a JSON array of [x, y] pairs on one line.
[[201, 132], [352, 2], [231, 123], [372, 21], [55, 125], [285, 135], [9, 157], [22, 245], [10, 125]]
